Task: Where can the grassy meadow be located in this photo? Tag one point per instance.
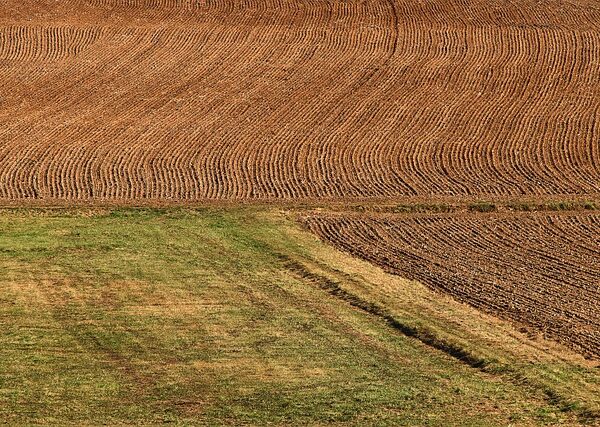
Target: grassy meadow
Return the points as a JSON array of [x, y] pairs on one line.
[[219, 317]]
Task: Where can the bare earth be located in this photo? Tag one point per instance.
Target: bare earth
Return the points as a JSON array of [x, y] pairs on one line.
[[537, 268], [212, 99]]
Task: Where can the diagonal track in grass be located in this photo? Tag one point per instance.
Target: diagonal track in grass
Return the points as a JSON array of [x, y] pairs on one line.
[[428, 337]]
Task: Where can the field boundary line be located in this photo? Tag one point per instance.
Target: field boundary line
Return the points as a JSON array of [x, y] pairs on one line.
[[427, 337]]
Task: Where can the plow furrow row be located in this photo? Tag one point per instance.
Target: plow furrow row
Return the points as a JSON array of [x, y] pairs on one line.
[[541, 269], [212, 99]]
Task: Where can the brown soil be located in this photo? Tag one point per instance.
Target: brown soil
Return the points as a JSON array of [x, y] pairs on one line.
[[192, 100], [541, 269]]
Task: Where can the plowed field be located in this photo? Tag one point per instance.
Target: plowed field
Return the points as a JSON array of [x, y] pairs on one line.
[[128, 101], [540, 269], [296, 99]]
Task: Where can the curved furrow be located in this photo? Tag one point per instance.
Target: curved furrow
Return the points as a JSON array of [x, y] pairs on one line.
[[539, 269], [191, 100]]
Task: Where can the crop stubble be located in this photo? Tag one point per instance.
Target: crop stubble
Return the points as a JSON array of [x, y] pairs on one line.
[[286, 99]]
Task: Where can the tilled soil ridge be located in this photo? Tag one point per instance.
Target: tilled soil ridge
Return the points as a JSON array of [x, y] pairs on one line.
[[196, 100]]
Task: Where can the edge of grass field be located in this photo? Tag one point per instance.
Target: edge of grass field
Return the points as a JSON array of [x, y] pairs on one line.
[[497, 347]]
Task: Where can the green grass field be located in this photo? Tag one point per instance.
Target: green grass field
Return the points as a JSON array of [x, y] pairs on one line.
[[238, 317]]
